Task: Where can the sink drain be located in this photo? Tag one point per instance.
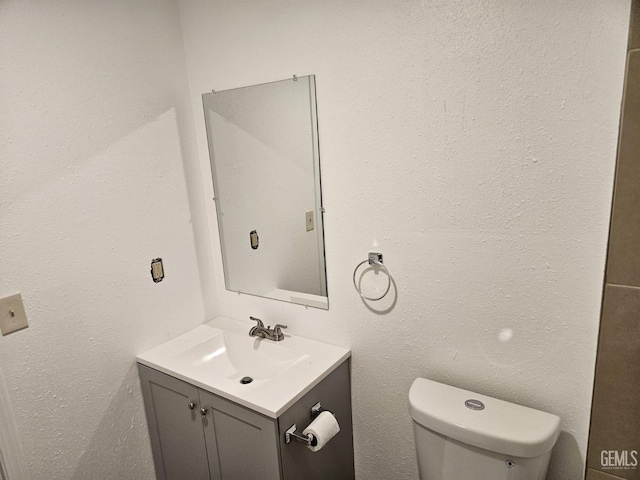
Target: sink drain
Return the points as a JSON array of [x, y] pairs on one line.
[[245, 380]]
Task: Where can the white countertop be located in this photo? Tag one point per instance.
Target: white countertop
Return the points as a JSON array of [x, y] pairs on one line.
[[271, 395]]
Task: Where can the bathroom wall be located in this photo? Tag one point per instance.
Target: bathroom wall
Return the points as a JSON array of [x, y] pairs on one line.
[[95, 140], [615, 423], [473, 143]]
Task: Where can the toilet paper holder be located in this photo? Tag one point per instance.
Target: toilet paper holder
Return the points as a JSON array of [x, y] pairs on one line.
[[292, 432]]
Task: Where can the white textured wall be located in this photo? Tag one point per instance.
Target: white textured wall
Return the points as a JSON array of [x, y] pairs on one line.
[[474, 144], [94, 127]]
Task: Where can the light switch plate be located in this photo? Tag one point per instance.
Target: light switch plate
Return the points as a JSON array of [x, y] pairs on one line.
[[12, 314], [309, 220]]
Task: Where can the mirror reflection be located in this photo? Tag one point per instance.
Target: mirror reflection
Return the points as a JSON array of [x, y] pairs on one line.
[[263, 148]]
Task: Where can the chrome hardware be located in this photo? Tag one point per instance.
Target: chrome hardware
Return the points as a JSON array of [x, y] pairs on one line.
[[509, 463], [203, 411], [474, 404], [375, 260], [260, 324], [277, 332], [316, 410], [293, 434], [261, 331], [192, 405]]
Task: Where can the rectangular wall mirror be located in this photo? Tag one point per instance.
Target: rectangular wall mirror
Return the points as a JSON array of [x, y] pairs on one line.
[[265, 164]]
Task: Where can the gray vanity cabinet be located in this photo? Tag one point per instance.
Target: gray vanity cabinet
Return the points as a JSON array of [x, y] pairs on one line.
[[175, 427], [241, 444], [196, 435]]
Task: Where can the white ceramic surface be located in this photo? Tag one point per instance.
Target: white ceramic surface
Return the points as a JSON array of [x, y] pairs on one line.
[[216, 355], [441, 458], [500, 427]]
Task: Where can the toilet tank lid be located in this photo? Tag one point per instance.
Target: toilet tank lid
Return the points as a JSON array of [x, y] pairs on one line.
[[484, 422]]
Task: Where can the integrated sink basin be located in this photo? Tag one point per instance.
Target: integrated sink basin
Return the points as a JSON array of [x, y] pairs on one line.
[[260, 374], [235, 357]]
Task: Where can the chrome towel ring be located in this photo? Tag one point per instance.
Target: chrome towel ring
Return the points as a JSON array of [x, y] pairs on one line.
[[374, 259]]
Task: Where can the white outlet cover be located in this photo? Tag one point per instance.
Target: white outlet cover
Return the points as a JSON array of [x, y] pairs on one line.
[[12, 314]]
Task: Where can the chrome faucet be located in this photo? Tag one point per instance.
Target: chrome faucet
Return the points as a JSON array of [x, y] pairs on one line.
[[261, 331]]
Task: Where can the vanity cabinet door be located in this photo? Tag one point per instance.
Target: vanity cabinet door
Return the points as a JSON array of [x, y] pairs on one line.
[[242, 444], [175, 426]]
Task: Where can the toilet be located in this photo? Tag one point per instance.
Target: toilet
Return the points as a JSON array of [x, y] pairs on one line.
[[461, 435]]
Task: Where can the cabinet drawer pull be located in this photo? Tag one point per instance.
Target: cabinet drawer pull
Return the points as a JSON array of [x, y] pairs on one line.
[[192, 405], [203, 411]]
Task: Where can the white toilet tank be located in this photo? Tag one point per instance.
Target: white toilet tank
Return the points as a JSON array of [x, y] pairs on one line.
[[461, 435]]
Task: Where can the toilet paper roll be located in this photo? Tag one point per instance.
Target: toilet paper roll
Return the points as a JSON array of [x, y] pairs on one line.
[[324, 428]]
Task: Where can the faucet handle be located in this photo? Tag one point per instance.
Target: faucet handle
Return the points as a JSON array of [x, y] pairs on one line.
[[277, 332], [260, 324]]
